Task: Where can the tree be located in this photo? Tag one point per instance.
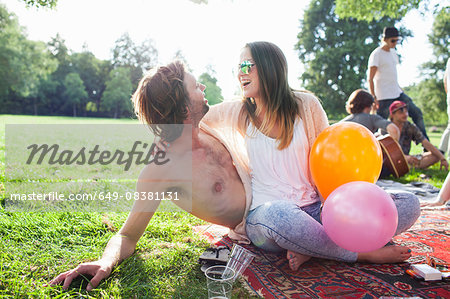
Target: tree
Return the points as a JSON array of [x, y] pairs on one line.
[[378, 9], [94, 73], [74, 91], [10, 35], [440, 41], [429, 94], [137, 58], [41, 3], [53, 91], [39, 66], [59, 50], [23, 64], [116, 97], [335, 52], [50, 102], [212, 92]]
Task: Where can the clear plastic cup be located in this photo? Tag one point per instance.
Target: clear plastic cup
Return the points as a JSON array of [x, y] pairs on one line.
[[239, 260], [219, 280]]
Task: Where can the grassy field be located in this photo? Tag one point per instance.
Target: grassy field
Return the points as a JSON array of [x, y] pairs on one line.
[[35, 247]]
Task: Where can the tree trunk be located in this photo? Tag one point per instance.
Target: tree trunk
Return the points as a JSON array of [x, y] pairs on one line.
[[35, 106], [74, 110], [116, 111], [98, 106]]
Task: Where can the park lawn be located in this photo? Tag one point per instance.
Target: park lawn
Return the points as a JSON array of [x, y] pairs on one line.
[[432, 175], [35, 247]]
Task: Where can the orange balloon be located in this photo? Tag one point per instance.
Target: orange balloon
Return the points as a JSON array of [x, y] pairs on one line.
[[343, 153]]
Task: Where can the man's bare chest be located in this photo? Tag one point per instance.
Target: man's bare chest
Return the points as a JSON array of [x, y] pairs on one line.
[[212, 152]]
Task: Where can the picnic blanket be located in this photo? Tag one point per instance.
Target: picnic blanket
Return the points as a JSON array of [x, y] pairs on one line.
[[269, 275], [424, 191]]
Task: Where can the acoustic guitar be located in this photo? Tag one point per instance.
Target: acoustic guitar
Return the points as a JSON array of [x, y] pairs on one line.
[[393, 157]]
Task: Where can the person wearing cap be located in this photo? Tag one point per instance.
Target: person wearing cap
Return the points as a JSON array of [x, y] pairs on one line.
[[359, 105], [382, 77], [409, 132]]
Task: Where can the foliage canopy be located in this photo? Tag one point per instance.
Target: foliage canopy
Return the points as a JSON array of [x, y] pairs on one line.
[[74, 91], [41, 3], [375, 9], [116, 98], [429, 94], [335, 53], [213, 93]]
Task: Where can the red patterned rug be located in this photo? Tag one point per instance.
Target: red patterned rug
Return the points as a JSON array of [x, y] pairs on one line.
[[269, 275]]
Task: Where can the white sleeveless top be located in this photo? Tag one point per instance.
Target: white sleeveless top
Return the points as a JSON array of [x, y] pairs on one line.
[[279, 175]]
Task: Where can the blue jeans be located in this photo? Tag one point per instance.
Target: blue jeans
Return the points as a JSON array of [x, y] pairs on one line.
[[282, 225], [413, 111]]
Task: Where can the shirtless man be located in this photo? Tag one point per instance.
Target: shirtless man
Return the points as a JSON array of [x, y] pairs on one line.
[[216, 192], [220, 189]]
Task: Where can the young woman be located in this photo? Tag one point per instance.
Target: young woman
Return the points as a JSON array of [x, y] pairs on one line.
[[279, 126]]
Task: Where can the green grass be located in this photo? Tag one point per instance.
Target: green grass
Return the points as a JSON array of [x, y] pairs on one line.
[[432, 175], [36, 246]]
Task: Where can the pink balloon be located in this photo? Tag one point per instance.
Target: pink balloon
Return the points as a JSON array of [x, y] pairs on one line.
[[360, 216]]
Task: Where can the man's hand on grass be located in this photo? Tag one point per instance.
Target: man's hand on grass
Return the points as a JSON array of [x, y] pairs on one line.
[[413, 161], [98, 270]]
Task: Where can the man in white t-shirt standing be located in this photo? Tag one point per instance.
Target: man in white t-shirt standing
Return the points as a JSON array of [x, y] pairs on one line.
[[383, 83]]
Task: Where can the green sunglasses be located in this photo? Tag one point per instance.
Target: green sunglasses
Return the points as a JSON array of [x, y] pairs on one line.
[[246, 67]]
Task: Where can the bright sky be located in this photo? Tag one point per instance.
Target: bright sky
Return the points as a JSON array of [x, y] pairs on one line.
[[210, 34]]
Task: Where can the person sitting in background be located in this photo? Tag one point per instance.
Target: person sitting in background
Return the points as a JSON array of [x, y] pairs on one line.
[[409, 132], [359, 105], [443, 196]]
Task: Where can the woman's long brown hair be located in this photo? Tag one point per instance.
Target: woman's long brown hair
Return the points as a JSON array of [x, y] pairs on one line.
[[281, 107]]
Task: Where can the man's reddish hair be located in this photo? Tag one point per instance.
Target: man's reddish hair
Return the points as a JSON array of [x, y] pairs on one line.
[[161, 98]]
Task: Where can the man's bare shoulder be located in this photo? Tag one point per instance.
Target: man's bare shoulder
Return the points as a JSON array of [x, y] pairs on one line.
[[167, 164], [168, 171]]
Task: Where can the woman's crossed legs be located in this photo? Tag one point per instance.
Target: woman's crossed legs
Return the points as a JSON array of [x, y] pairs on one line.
[[282, 225]]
